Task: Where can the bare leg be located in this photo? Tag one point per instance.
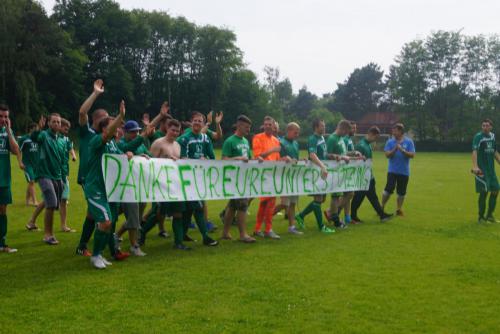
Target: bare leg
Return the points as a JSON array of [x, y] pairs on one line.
[[346, 203], [400, 201], [62, 212], [39, 208], [228, 220], [242, 217], [132, 237], [385, 198], [291, 214], [32, 193], [49, 223]]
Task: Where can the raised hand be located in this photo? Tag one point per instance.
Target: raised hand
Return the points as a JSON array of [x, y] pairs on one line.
[[42, 122], [218, 117], [148, 131], [209, 117], [165, 109], [99, 86], [145, 119], [122, 109]]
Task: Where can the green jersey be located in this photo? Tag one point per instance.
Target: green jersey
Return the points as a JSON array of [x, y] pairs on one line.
[[51, 154], [365, 148], [5, 149], [289, 148], [210, 133], [156, 135], [29, 150], [67, 145], [136, 146], [94, 180], [196, 146], [486, 147], [349, 144], [316, 144], [85, 134], [336, 144], [236, 146]]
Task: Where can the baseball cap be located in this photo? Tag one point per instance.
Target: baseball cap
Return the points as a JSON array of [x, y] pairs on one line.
[[132, 126]]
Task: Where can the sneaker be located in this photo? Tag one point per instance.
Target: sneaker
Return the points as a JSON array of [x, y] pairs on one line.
[[211, 227], [8, 250], [97, 262], [481, 220], [400, 213], [386, 216], [210, 242], [300, 221], [272, 235], [163, 234], [83, 252], [279, 214], [293, 230], [340, 225], [353, 222], [104, 260], [327, 230], [182, 247], [492, 219], [136, 251], [120, 256], [356, 220], [51, 241], [258, 234], [187, 238]]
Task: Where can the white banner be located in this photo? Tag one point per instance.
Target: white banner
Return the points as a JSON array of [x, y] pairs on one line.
[[165, 180]]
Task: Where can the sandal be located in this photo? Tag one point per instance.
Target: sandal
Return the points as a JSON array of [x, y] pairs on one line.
[[32, 227], [68, 230], [248, 240], [51, 241], [226, 237]]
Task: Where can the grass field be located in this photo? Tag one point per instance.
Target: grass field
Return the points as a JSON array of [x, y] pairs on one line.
[[434, 270]]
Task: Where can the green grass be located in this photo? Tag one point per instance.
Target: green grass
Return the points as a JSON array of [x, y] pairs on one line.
[[434, 270]]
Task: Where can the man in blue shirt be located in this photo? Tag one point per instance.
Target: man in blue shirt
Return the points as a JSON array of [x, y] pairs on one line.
[[399, 150]]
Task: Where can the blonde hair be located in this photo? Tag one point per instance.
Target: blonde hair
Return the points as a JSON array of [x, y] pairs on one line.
[[293, 125]]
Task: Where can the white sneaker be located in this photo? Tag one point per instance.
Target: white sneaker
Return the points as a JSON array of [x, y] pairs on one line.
[[293, 230], [97, 262], [271, 234], [8, 250], [137, 251], [106, 262]]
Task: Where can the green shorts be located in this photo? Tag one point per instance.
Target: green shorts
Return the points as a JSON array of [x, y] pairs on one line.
[[65, 192], [487, 183], [169, 208], [29, 173], [5, 196], [101, 210]]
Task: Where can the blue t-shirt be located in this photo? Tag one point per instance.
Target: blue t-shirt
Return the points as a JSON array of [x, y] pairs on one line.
[[399, 163]]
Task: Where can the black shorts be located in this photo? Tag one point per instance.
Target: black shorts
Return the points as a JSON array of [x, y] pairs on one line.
[[398, 182], [240, 204]]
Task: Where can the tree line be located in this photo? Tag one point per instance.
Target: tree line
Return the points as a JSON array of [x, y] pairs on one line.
[[440, 86]]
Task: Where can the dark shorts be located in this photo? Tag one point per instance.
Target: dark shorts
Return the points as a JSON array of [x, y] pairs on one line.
[[487, 183], [29, 173], [240, 204], [52, 192], [5, 196], [398, 182], [169, 208]]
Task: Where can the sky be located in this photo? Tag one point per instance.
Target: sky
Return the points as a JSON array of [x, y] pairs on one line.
[[318, 43]]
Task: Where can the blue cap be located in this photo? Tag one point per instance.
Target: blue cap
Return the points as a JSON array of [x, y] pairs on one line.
[[132, 126]]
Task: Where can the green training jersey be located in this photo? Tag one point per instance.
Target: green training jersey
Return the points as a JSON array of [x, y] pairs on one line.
[[51, 154], [486, 147], [5, 149], [196, 146], [349, 144], [85, 134], [236, 146], [94, 180], [365, 148], [336, 144], [136, 146], [29, 150], [210, 133], [289, 148], [67, 145], [316, 144]]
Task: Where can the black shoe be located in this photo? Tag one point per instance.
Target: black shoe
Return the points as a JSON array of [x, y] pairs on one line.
[[386, 216], [187, 238], [182, 247], [210, 242], [163, 234], [356, 219]]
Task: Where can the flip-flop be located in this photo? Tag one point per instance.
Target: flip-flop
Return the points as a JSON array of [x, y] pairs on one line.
[[68, 230], [226, 238], [51, 241], [31, 228], [248, 240]]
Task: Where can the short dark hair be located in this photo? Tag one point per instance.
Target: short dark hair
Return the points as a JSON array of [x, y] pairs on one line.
[[399, 126], [244, 119], [374, 130], [197, 114], [173, 122], [269, 118], [344, 124], [64, 121], [103, 123], [54, 114], [32, 126], [487, 120], [316, 122], [4, 107]]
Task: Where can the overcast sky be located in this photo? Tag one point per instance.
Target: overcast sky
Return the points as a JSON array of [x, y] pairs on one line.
[[317, 43]]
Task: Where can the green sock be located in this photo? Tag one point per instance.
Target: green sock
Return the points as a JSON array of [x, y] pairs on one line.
[[492, 203], [87, 230], [178, 227], [3, 229], [482, 204], [100, 241], [200, 222], [309, 208], [317, 214]]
